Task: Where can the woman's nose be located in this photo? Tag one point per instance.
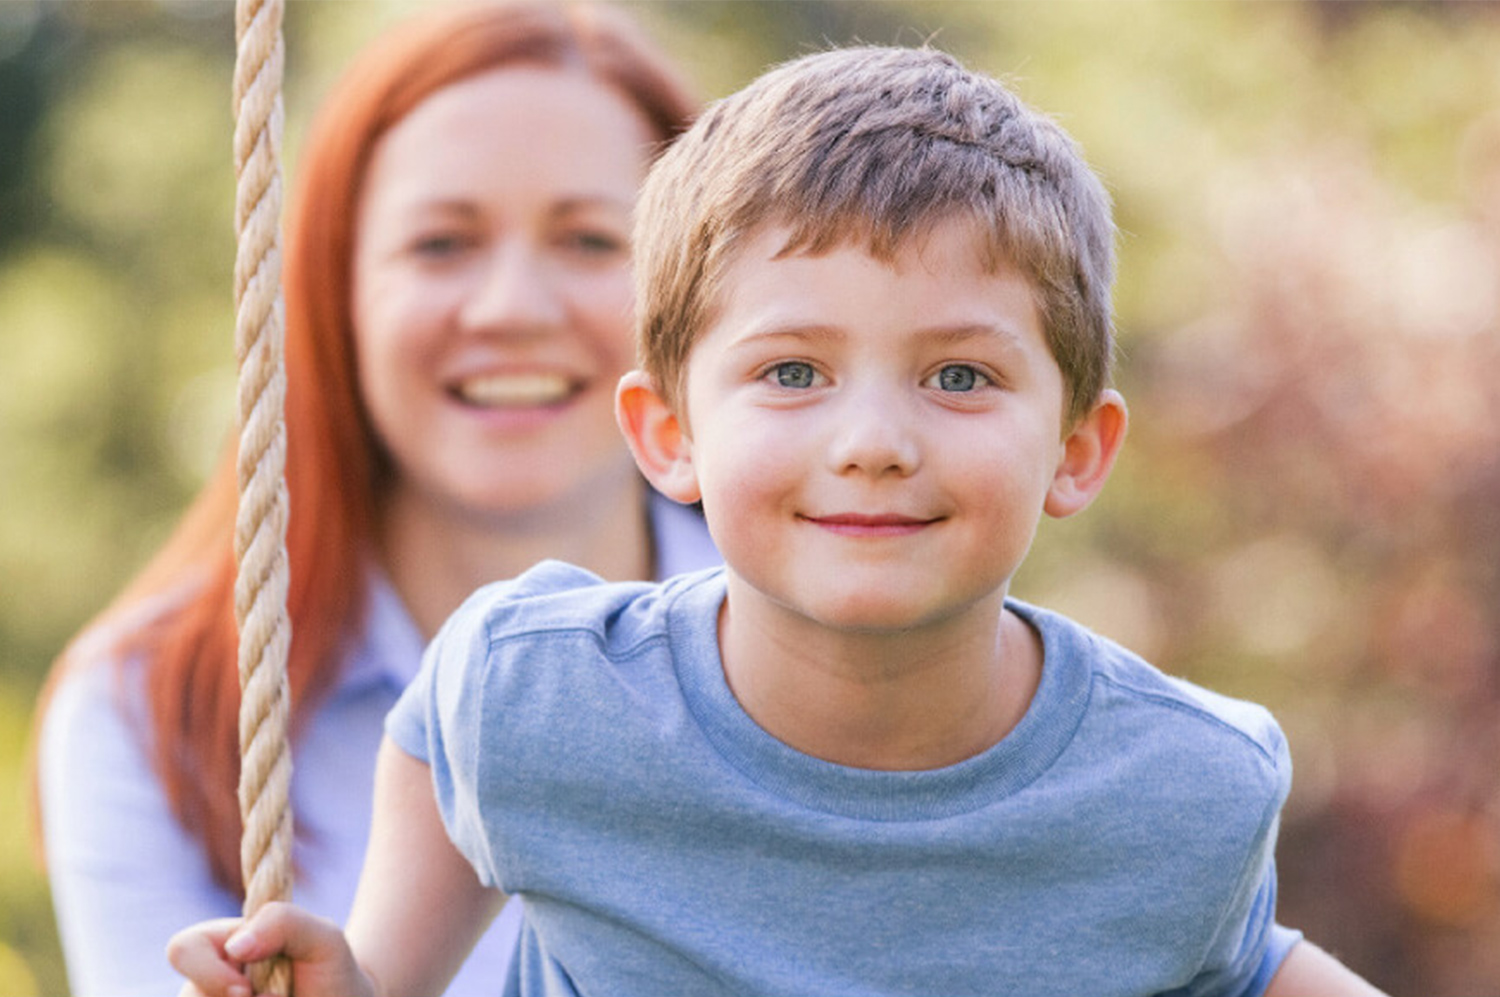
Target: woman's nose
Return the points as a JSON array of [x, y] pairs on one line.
[[514, 290]]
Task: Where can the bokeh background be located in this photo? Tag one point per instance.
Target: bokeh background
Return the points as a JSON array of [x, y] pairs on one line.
[[1308, 511]]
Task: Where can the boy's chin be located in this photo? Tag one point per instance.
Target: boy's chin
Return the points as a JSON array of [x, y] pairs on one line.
[[878, 615], [858, 606]]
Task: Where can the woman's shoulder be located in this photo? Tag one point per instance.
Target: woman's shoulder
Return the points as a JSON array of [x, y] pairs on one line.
[[99, 689], [94, 735]]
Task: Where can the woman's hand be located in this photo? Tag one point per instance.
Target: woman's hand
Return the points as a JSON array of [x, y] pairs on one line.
[[212, 955]]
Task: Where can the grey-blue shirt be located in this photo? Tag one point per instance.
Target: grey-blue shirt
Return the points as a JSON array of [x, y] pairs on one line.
[[588, 755]]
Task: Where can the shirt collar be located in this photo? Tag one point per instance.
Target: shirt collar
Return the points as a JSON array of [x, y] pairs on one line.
[[389, 647]]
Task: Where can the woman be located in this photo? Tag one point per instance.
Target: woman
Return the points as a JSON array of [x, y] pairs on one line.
[[457, 315]]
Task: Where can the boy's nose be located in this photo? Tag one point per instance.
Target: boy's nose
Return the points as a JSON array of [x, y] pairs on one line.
[[514, 291], [875, 436]]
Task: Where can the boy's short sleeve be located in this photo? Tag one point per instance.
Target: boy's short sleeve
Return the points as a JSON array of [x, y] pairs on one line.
[[439, 719], [1249, 946], [1278, 947], [1248, 950]]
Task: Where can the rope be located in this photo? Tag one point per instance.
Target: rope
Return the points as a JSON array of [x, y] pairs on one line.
[[260, 529]]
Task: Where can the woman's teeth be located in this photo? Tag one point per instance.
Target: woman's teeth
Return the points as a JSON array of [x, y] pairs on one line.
[[515, 390]]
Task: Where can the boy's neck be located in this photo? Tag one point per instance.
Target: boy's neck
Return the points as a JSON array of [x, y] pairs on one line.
[[904, 701]]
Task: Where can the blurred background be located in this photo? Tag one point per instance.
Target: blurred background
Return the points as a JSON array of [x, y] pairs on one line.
[[1308, 510]]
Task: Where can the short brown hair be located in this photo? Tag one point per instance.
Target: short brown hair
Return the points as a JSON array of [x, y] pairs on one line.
[[876, 144]]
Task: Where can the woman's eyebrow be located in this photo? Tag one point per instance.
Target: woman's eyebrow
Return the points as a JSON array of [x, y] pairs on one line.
[[592, 202], [447, 206]]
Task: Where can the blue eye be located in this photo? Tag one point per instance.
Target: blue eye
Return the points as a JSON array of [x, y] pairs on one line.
[[794, 374], [959, 377]]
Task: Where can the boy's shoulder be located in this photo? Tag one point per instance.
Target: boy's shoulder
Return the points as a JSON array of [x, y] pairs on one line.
[[1132, 704], [555, 597]]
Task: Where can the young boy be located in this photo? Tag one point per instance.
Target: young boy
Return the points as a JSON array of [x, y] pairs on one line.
[[876, 339]]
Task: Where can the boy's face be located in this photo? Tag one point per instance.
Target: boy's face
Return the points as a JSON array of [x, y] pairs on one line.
[[873, 443]]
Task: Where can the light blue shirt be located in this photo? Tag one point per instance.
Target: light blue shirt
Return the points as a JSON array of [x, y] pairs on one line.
[[124, 874], [589, 756]]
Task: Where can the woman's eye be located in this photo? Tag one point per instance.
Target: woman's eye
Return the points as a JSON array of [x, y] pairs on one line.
[[439, 246], [597, 243], [794, 374], [958, 377]]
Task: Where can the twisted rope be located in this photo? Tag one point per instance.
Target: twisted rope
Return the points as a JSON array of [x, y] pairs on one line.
[[260, 528]]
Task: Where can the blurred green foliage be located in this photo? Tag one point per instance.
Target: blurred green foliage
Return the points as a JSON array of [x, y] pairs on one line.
[[1308, 512]]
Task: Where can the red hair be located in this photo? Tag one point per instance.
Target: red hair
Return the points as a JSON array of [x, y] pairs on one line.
[[334, 463]]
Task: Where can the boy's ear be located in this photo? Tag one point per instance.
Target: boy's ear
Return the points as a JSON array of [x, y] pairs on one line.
[[662, 450], [1089, 452]]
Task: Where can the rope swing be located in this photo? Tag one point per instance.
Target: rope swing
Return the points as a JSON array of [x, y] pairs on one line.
[[260, 593]]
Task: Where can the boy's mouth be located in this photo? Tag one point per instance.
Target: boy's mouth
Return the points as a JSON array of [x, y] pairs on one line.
[[530, 389], [866, 524]]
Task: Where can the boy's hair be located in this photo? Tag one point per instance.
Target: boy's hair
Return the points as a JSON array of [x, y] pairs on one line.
[[874, 145]]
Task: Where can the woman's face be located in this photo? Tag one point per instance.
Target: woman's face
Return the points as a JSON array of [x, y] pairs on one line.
[[492, 289]]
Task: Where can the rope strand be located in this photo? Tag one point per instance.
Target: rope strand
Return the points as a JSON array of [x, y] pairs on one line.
[[260, 528]]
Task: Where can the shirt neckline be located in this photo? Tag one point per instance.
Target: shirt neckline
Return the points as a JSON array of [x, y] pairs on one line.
[[1009, 766]]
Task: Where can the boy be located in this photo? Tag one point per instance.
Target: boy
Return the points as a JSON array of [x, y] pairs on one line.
[[876, 337]]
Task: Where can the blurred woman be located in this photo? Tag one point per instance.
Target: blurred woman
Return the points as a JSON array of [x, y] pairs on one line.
[[458, 307]]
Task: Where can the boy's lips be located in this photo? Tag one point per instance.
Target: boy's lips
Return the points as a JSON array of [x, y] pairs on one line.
[[870, 524], [523, 389]]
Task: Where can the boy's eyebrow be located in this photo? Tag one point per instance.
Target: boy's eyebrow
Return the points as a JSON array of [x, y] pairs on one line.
[[977, 330], [790, 330], [1009, 338]]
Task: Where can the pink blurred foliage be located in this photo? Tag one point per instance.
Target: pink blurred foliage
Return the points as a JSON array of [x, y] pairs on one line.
[[1346, 392]]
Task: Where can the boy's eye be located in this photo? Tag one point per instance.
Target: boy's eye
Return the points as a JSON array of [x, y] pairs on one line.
[[794, 374], [957, 377]]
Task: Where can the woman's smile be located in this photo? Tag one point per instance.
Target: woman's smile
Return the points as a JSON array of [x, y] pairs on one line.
[[518, 389]]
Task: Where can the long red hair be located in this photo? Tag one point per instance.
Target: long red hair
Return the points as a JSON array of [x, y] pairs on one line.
[[334, 462]]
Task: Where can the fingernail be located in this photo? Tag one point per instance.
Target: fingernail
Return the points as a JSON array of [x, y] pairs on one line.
[[238, 945], [238, 990]]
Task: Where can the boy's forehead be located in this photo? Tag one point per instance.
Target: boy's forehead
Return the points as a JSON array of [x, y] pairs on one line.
[[784, 238], [945, 276]]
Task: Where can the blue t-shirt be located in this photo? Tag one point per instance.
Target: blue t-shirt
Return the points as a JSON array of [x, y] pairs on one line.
[[588, 755]]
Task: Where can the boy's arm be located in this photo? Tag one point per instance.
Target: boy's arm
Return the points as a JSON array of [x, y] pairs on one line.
[[418, 912], [1308, 971], [420, 909]]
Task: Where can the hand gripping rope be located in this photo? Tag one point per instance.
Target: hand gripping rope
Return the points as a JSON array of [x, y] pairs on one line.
[[260, 527]]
